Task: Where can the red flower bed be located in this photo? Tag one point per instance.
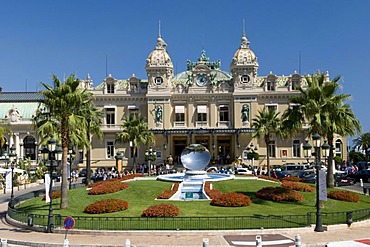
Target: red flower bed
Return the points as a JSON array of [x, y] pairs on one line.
[[293, 179], [279, 194], [168, 193], [212, 193], [231, 199], [107, 186], [268, 178], [106, 206], [161, 210], [297, 186], [54, 195], [347, 196]]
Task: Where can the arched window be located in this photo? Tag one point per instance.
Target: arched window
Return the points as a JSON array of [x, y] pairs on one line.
[[338, 148], [29, 144]]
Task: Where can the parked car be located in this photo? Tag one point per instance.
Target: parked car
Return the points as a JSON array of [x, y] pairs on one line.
[[362, 174], [94, 178], [243, 171], [341, 179], [82, 173]]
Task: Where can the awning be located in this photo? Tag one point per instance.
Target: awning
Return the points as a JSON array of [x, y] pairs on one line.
[[132, 107], [202, 109], [179, 109]]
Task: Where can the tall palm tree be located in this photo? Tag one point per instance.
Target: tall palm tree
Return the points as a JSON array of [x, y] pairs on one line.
[[363, 142], [324, 110], [64, 119], [135, 131], [266, 123], [94, 119]]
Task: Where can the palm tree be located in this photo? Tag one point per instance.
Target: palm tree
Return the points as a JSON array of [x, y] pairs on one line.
[[363, 142], [65, 118], [266, 123], [135, 131], [93, 119], [324, 111]]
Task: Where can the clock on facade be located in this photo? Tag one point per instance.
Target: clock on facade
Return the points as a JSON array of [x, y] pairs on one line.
[[201, 80]]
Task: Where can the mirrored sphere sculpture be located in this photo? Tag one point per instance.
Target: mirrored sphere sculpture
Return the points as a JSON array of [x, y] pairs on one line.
[[195, 157]]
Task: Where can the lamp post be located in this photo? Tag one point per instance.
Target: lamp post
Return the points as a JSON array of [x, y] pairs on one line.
[[325, 153], [13, 161], [118, 157], [71, 154], [316, 138], [53, 154], [149, 154]]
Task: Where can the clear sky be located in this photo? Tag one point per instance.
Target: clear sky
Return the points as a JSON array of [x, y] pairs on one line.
[[40, 38]]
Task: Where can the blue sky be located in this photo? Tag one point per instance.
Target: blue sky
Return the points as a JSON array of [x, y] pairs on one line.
[[40, 38]]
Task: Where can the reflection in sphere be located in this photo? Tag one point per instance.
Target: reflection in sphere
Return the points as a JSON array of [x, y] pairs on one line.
[[195, 157]]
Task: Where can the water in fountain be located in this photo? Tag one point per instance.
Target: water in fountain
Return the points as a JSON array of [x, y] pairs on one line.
[[194, 158]]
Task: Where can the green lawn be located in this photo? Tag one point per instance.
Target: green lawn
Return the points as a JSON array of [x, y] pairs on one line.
[[141, 194]]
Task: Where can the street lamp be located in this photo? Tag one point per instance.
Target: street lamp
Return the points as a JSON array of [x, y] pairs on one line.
[[54, 155], [307, 151], [71, 154], [151, 156], [325, 153], [13, 161], [118, 157]]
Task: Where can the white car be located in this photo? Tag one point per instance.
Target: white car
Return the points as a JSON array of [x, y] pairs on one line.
[[243, 171]]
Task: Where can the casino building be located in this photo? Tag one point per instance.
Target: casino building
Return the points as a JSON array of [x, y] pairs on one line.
[[200, 105]]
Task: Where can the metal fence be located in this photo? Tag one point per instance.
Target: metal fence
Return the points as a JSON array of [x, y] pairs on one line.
[[187, 223]]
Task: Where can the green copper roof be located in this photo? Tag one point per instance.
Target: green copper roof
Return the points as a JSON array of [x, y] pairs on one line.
[[25, 109], [20, 97]]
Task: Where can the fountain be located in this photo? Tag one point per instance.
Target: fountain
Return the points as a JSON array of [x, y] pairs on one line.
[[194, 158]]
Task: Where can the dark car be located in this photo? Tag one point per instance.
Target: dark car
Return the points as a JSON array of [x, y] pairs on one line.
[[341, 179], [82, 173], [94, 178], [362, 174]]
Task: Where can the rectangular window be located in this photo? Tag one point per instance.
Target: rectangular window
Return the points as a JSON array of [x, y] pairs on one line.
[[202, 113], [295, 85], [110, 116], [270, 86], [110, 87], [110, 149], [296, 148], [179, 113], [272, 107], [224, 113], [81, 156], [272, 149], [134, 113]]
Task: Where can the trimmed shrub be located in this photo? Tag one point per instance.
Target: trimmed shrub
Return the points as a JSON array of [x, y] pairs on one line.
[[168, 193], [54, 195], [279, 194], [347, 196], [297, 186], [108, 186], [106, 206], [161, 210], [231, 199]]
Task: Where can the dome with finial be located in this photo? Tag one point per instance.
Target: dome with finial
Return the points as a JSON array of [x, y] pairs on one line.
[[159, 56], [244, 55]]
